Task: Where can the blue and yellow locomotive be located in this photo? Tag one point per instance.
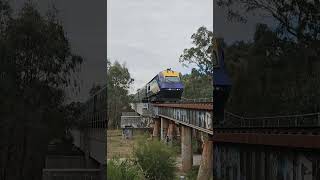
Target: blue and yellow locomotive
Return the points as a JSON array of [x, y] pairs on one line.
[[164, 87]]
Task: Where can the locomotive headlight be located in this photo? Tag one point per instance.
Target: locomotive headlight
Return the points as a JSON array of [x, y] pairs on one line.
[[170, 89]]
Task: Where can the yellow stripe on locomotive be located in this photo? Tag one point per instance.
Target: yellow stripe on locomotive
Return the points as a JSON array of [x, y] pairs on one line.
[[170, 73]]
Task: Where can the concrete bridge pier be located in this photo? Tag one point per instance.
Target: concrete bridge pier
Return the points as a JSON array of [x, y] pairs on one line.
[[171, 132], [156, 128], [164, 128], [186, 148], [206, 164]]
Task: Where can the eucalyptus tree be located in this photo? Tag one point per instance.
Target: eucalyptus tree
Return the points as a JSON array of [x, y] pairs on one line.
[[36, 65], [118, 84]]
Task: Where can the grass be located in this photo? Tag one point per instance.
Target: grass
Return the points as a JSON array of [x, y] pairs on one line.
[[117, 146]]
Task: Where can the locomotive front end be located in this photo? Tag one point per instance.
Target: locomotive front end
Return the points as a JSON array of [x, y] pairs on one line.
[[171, 87]]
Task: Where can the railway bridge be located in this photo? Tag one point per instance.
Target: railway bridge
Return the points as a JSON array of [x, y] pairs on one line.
[[278, 147], [89, 138], [237, 147]]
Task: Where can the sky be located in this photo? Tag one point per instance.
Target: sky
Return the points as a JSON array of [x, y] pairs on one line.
[[147, 35], [150, 35]]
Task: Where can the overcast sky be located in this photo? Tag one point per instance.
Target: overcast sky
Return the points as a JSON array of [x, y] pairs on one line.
[[150, 35], [147, 35]]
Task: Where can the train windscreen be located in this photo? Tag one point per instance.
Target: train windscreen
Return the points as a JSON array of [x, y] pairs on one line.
[[172, 79]]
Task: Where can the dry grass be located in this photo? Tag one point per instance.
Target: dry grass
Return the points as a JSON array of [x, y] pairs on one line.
[[117, 146], [123, 148]]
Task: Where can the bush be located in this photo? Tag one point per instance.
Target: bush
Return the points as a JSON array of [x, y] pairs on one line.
[[156, 159], [193, 173], [176, 145], [123, 170], [196, 146]]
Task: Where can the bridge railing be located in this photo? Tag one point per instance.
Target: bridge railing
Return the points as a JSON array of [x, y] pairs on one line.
[[198, 100], [129, 114], [290, 121], [196, 118], [205, 118]]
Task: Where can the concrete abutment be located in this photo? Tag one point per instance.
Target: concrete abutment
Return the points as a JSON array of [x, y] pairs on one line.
[[156, 128], [164, 128]]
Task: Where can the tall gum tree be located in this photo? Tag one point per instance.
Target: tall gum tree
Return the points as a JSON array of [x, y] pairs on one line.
[[36, 65]]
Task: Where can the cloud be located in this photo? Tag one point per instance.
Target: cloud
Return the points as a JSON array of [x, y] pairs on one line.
[[150, 35]]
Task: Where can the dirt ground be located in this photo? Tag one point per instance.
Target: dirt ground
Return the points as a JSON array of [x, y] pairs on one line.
[[117, 146]]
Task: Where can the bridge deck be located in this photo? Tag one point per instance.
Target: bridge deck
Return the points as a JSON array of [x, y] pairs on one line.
[[291, 131]]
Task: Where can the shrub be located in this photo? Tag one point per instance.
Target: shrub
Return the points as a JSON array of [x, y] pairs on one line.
[[156, 159], [123, 170], [196, 146], [176, 145], [193, 173]]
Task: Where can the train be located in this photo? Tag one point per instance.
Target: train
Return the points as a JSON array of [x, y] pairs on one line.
[[166, 86]]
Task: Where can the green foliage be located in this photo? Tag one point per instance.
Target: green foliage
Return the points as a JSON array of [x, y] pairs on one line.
[[197, 85], [5, 15], [72, 115], [36, 64], [271, 75], [119, 76], [123, 170], [297, 19], [202, 52], [118, 83], [176, 146], [156, 159], [193, 173], [94, 89], [196, 146]]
